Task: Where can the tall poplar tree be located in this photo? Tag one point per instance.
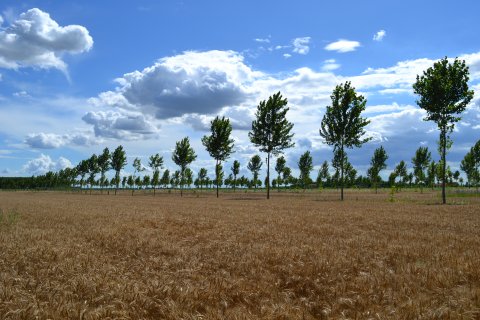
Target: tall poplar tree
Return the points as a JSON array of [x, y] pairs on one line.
[[271, 131], [218, 143], [342, 125], [182, 156], [444, 94], [119, 161]]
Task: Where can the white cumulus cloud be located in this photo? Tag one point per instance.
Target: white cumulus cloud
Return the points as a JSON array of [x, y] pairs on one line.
[[379, 35], [44, 163], [301, 45], [343, 46], [43, 140], [34, 39], [192, 82]]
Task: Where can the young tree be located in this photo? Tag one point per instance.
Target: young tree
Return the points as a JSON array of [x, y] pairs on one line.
[[146, 181], [286, 175], [401, 172], [471, 165], [444, 94], [82, 169], [420, 162], [156, 163], [188, 177], [218, 176], [93, 169], [271, 131], [323, 174], [138, 167], [377, 164], [182, 156], [305, 165], [165, 180], [202, 175], [431, 173], [218, 143], [119, 161], [279, 167], [130, 181], [342, 125], [235, 171], [124, 183], [254, 165], [104, 164]]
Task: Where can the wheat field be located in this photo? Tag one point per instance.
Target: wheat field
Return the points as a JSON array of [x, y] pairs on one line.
[[295, 256]]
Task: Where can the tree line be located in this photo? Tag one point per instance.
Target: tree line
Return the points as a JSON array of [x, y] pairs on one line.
[[443, 93]]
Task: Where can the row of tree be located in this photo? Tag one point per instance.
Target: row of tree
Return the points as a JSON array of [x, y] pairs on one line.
[[443, 92]]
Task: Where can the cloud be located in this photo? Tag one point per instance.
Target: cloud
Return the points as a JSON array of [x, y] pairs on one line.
[[52, 141], [287, 55], [343, 46], [192, 82], [379, 35], [262, 40], [330, 65], [21, 94], [35, 40], [44, 163], [121, 125], [300, 45]]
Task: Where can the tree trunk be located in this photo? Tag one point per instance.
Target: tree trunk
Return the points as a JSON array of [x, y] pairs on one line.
[[341, 175], [268, 175], [444, 164]]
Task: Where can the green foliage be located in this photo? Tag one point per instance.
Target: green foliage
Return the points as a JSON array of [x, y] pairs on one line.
[[444, 94], [420, 162], [305, 165], [104, 164], [342, 125], [271, 131], [182, 156], [323, 174], [119, 161], [471, 165], [377, 164], [254, 165], [279, 167], [218, 144], [235, 171]]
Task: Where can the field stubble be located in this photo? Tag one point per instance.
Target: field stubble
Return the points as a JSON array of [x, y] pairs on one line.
[[296, 256]]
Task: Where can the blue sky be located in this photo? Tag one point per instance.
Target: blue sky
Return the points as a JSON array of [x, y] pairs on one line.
[[76, 77]]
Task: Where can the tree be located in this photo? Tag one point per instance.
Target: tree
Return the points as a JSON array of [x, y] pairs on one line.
[[218, 143], [93, 169], [124, 183], [254, 165], [431, 173], [271, 129], [342, 125], [188, 177], [165, 180], [130, 181], [218, 176], [146, 181], [156, 163], [444, 94], [377, 164], [82, 169], [420, 162], [323, 174], [279, 167], [104, 164], [137, 166], [202, 175], [471, 165], [401, 172], [182, 156], [235, 171], [286, 175], [305, 165], [119, 161]]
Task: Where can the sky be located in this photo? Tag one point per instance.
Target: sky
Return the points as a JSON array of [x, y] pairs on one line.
[[79, 76]]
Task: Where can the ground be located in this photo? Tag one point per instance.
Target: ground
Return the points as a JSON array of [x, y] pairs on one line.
[[295, 256]]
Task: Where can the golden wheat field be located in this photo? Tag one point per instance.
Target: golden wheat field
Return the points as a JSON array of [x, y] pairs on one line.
[[295, 256]]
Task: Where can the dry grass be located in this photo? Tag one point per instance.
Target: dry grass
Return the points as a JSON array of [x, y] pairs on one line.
[[299, 256]]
